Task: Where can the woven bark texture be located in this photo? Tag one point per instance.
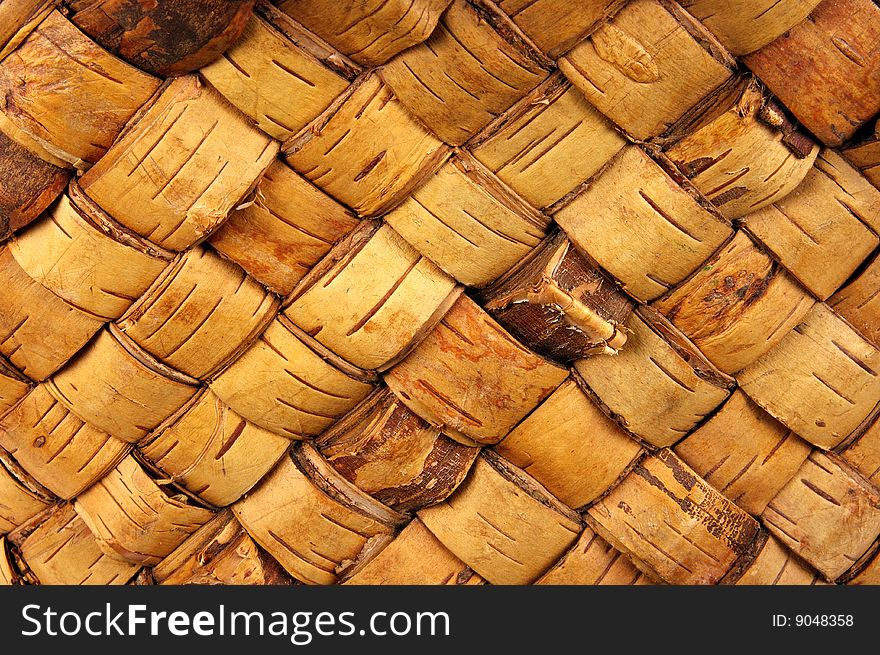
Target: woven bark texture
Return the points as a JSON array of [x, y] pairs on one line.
[[439, 292]]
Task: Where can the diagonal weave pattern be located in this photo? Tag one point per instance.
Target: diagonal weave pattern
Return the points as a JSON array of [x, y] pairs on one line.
[[439, 292]]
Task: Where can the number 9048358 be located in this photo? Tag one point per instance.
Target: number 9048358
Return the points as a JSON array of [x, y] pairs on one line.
[[813, 621]]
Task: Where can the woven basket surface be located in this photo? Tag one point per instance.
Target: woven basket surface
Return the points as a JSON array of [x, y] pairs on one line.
[[439, 292]]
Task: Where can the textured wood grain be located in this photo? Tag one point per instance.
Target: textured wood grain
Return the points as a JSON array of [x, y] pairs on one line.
[[18, 18], [859, 302], [212, 452], [62, 452], [439, 292], [39, 148], [746, 27], [66, 253], [854, 192], [559, 303], [39, 332], [737, 306], [644, 69], [287, 228], [13, 386], [167, 38], [672, 523], [61, 550], [220, 552], [825, 68], [134, 519], [551, 24], [314, 534], [471, 379], [870, 575], [415, 557], [369, 32], [29, 185], [660, 386], [22, 496], [864, 154], [199, 314], [864, 453], [263, 70], [182, 167], [737, 159], [8, 574], [65, 91], [776, 565], [817, 231], [569, 446], [287, 384], [366, 150], [390, 453], [744, 453], [821, 380], [502, 524], [827, 514], [548, 143], [466, 222], [372, 299], [592, 561], [465, 74], [642, 227], [120, 389]]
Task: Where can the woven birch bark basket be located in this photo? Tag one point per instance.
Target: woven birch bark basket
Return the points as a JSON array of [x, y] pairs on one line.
[[439, 292]]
